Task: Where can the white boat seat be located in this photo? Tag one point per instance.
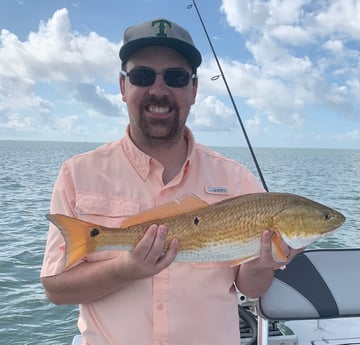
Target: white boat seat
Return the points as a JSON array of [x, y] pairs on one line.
[[317, 284], [323, 283]]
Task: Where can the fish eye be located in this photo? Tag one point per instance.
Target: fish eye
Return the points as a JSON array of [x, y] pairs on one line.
[[327, 216]]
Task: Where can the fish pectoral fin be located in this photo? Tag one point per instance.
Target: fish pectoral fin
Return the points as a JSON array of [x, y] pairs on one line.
[[277, 246], [185, 204], [240, 261]]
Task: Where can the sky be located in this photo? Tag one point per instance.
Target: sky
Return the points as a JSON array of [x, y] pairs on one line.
[[292, 66]]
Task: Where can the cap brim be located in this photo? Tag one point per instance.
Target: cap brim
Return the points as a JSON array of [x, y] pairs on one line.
[[183, 48]]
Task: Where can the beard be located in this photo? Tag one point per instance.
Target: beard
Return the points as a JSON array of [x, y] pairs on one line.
[[159, 130]]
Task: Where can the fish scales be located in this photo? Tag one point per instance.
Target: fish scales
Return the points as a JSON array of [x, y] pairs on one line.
[[238, 221], [227, 230]]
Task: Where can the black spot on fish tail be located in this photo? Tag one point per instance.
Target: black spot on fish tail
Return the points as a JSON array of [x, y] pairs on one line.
[[94, 232], [196, 221]]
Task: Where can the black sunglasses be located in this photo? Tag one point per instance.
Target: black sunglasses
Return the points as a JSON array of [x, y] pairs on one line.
[[144, 76]]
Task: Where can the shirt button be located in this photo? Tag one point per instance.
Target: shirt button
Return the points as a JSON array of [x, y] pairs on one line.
[[160, 307]]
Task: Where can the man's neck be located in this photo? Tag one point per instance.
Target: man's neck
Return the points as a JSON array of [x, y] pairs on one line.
[[172, 155]]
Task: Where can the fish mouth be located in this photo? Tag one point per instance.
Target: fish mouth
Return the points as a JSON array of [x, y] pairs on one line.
[[337, 219], [330, 232]]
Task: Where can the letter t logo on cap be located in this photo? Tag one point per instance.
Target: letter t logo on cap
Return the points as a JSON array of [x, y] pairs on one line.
[[162, 26]]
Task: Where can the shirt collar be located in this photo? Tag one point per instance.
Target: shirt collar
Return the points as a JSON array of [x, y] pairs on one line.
[[141, 161]]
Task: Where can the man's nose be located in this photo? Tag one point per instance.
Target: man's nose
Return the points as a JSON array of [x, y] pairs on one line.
[[159, 88]]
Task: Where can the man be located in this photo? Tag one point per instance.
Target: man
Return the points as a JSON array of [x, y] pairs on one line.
[[142, 296]]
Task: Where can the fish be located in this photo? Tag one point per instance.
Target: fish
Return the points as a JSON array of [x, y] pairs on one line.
[[225, 231]]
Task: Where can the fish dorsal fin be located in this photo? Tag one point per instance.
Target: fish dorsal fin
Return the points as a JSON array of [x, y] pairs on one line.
[[184, 204]]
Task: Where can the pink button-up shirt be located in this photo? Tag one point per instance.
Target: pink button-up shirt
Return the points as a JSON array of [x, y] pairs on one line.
[[186, 303]]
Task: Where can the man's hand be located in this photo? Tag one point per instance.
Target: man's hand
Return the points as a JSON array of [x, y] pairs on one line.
[[266, 258], [255, 276], [148, 257]]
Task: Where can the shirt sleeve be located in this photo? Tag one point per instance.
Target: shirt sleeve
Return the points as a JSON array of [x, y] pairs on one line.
[[62, 202]]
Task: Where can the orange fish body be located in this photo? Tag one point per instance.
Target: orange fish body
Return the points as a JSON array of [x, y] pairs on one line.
[[229, 230]]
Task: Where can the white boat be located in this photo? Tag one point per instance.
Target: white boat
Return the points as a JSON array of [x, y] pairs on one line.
[[307, 332], [317, 299]]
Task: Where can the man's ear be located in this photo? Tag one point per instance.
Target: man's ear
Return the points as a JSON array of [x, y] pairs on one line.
[[195, 87], [122, 87]]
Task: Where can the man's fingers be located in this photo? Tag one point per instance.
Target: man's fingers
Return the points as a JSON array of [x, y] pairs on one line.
[[170, 255], [266, 243], [156, 250], [150, 248], [145, 244]]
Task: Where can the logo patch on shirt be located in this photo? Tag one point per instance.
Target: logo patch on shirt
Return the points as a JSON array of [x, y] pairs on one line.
[[217, 190]]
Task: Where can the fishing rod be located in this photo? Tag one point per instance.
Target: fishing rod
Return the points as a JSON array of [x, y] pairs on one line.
[[231, 98]]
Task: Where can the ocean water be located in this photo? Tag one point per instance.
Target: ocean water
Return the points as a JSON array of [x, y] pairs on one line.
[[28, 171]]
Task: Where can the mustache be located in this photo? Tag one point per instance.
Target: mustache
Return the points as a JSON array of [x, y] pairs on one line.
[[159, 101]]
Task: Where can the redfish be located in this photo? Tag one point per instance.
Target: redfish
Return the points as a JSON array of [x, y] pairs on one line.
[[229, 230]]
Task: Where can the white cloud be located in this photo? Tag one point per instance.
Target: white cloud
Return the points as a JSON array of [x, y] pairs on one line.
[[354, 85], [210, 114], [289, 71], [254, 125], [340, 17], [57, 57], [293, 35], [15, 121], [12, 89], [245, 15], [355, 134], [94, 98], [335, 46], [67, 122], [248, 15], [277, 61], [285, 12], [266, 95], [55, 53]]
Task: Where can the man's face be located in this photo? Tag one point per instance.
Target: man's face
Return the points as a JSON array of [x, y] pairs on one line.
[[157, 112]]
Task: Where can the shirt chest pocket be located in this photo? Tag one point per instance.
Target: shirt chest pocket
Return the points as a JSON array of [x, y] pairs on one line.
[[106, 211]]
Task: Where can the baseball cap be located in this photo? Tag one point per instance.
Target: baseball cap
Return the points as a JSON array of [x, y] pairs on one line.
[[160, 32]]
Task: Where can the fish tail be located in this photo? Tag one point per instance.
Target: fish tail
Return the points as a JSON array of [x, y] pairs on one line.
[[78, 235]]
